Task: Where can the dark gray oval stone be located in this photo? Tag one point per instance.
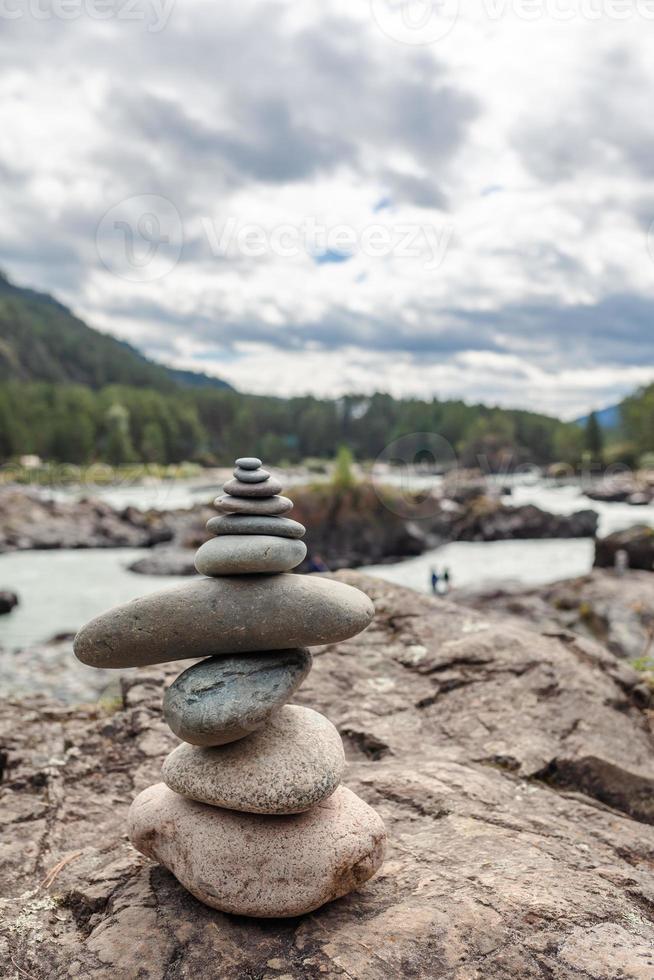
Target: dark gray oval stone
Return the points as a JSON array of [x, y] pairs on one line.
[[251, 476], [223, 699], [248, 463], [269, 488], [281, 527]]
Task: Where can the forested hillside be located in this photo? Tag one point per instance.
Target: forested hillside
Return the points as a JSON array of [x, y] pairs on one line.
[[122, 424], [41, 340], [71, 394]]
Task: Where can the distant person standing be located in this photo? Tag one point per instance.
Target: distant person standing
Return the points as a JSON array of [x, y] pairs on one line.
[[446, 581], [434, 581], [316, 564]]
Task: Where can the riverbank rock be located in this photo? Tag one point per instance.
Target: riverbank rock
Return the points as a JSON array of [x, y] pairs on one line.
[[288, 766], [637, 543], [205, 617], [514, 771], [616, 610], [28, 521], [224, 698]]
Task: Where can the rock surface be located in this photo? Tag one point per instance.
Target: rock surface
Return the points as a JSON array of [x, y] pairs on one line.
[[292, 763], [232, 554], [616, 610], [205, 617], [513, 770], [248, 864], [224, 698]]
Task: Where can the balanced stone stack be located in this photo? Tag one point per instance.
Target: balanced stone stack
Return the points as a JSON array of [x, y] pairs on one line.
[[250, 817]]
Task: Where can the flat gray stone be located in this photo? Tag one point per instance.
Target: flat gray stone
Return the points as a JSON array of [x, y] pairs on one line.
[[251, 864], [251, 476], [226, 698], [265, 506], [291, 764], [248, 463], [248, 554], [233, 614], [267, 489], [281, 527]]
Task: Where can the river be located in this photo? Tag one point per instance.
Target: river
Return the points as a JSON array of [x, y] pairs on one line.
[[60, 590]]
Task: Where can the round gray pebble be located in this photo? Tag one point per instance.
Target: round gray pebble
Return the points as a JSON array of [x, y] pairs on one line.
[[249, 554], [268, 506], [269, 488], [281, 527], [248, 463], [251, 476], [222, 699]]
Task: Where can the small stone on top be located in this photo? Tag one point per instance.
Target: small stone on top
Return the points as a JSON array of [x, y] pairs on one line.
[[249, 463]]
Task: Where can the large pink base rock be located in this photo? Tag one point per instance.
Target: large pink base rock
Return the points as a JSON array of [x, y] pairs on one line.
[[265, 866]]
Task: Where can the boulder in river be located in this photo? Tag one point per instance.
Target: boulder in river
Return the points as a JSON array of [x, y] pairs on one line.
[[636, 543], [8, 601]]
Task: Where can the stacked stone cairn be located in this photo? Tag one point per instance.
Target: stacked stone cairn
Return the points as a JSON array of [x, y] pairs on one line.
[[250, 817]]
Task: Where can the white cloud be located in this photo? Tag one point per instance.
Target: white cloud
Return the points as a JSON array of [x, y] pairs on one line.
[[517, 153]]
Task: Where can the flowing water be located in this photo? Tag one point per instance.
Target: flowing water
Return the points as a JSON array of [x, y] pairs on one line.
[[60, 590]]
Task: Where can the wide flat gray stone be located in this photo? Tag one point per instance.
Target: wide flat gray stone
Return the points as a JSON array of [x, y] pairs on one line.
[[251, 864], [291, 764], [249, 554], [271, 506], [236, 488], [233, 614], [282, 527], [226, 698]]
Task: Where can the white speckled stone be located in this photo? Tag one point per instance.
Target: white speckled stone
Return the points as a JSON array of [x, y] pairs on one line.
[[269, 488], [251, 864], [232, 614], [249, 554], [282, 527], [221, 699], [291, 764], [267, 506]]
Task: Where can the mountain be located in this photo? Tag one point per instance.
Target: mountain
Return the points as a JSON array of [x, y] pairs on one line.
[[42, 340], [608, 418]]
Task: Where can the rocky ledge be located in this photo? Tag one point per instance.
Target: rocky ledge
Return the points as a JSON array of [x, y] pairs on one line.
[[29, 522], [513, 771], [616, 610]]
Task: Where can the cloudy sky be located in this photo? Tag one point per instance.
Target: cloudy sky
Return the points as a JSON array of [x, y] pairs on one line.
[[450, 200]]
